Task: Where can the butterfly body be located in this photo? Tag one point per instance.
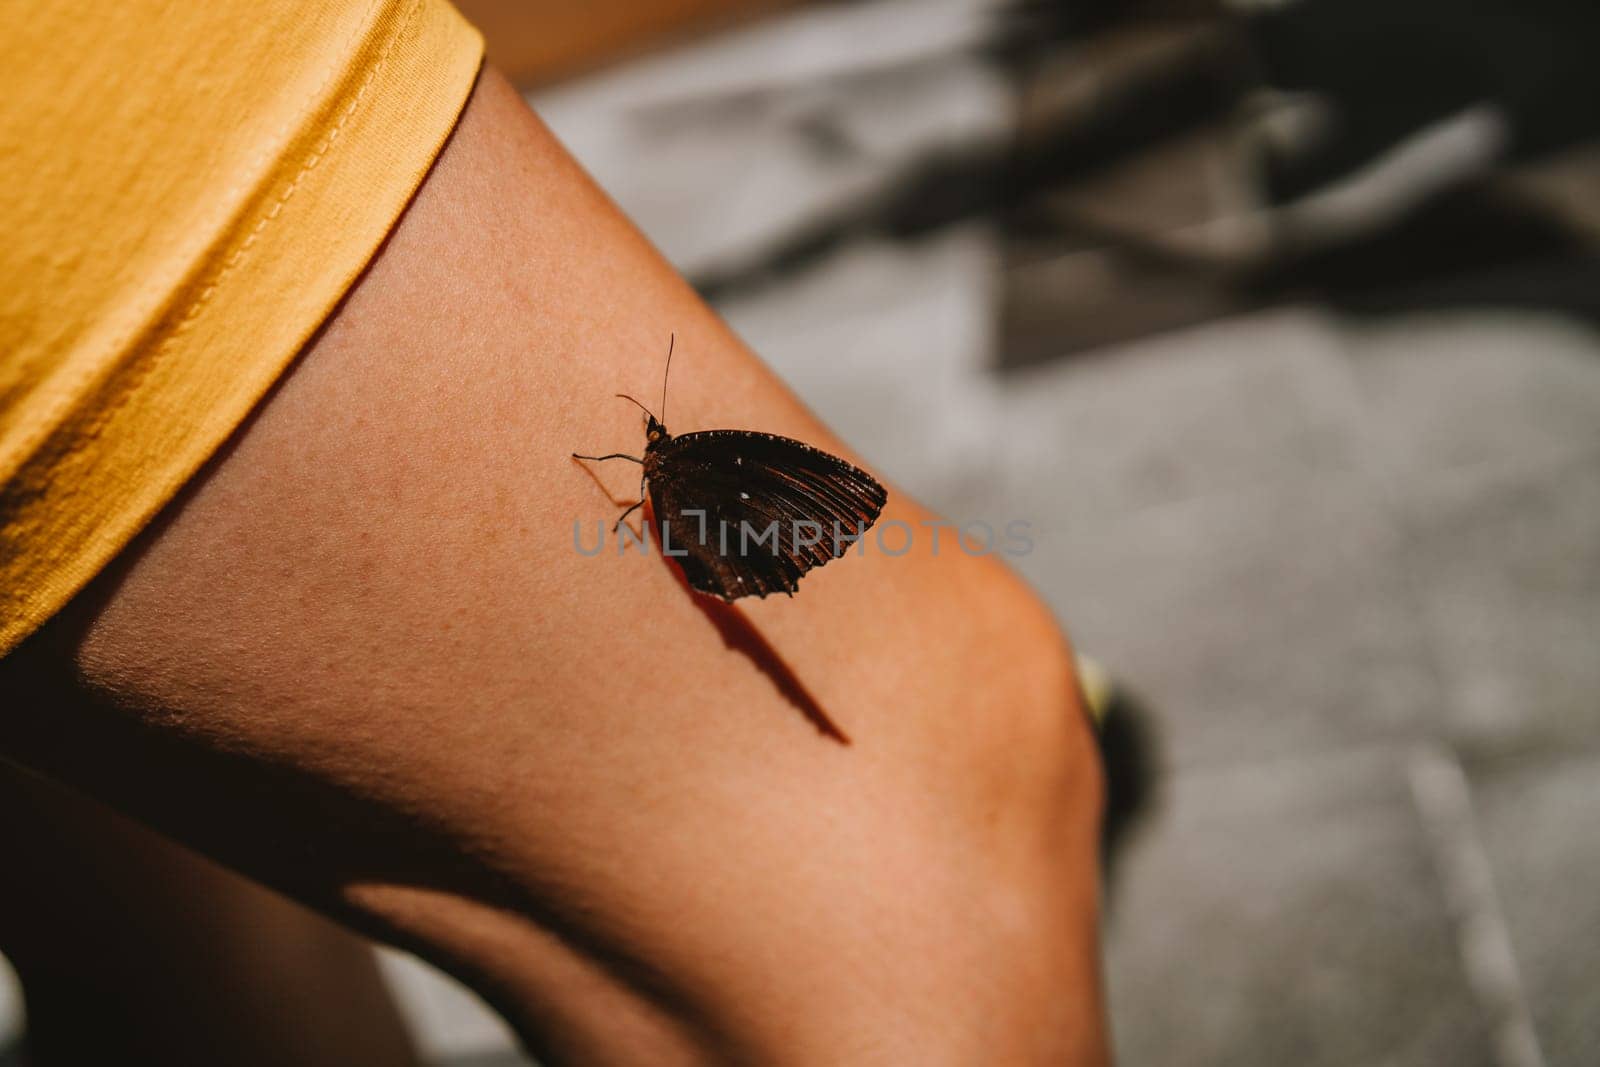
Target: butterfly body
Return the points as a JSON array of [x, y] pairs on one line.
[[748, 513]]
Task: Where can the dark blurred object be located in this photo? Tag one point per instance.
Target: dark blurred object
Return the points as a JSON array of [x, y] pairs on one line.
[[1373, 155], [1390, 67], [1150, 163], [1131, 758], [1126, 207], [1189, 70]]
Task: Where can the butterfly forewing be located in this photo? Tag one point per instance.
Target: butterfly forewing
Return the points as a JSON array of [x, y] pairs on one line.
[[753, 512]]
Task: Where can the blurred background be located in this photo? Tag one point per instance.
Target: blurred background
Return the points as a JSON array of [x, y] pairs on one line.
[[1277, 320]]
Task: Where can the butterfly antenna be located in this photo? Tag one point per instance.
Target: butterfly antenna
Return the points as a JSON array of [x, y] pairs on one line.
[[625, 396], [672, 340]]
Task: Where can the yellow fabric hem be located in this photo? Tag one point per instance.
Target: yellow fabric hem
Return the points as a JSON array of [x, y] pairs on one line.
[[103, 470]]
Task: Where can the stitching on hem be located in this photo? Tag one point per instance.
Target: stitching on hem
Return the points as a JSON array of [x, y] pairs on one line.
[[201, 301], [128, 389], [267, 218]]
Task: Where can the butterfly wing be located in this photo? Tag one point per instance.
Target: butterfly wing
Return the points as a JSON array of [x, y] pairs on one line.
[[769, 506]]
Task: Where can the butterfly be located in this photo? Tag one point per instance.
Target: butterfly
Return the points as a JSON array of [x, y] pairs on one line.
[[747, 513]]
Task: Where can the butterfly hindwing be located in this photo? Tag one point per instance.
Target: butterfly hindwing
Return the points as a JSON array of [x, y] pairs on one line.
[[753, 489]]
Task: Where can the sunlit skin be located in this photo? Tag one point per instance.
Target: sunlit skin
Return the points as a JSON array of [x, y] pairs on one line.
[[360, 661]]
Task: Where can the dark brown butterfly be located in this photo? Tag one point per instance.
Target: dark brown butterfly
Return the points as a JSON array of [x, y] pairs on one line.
[[748, 513]]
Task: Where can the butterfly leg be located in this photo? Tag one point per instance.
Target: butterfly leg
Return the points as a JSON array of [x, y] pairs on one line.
[[614, 455], [631, 509]]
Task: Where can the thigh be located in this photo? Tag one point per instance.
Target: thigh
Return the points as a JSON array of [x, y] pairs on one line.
[[363, 660]]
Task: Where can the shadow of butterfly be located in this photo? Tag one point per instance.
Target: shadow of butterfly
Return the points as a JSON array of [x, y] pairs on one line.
[[747, 513]]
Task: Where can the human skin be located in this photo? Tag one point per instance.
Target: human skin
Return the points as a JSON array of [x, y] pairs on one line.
[[360, 660], [133, 950]]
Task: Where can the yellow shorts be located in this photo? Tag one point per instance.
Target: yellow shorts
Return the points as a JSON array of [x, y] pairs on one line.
[[187, 190]]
